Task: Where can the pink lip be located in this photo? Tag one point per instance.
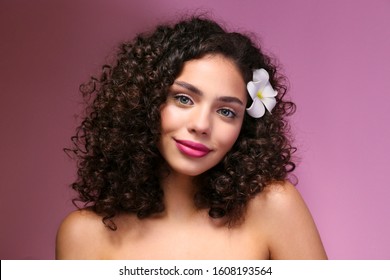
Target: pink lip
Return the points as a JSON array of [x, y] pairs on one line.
[[192, 149]]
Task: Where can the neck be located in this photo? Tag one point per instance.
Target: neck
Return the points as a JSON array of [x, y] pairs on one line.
[[179, 191]]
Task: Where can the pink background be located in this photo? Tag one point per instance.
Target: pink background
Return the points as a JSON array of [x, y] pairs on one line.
[[335, 53]]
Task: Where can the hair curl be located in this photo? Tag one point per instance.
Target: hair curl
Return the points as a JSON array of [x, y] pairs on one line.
[[116, 143]]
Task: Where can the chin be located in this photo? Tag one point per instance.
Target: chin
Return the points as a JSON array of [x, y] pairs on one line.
[[191, 170]]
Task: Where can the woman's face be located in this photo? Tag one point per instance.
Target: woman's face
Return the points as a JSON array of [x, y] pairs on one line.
[[203, 114]]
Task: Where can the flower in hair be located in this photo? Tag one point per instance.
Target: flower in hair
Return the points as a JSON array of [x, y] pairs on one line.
[[262, 94]]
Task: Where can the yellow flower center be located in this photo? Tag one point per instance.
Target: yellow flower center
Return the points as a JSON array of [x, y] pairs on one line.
[[260, 94]]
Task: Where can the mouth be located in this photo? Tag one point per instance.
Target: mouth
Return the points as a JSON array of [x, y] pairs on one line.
[[192, 149]]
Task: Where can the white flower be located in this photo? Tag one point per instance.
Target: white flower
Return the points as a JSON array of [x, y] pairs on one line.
[[262, 94]]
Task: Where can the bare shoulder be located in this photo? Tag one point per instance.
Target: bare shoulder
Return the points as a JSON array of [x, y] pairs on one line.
[[79, 235], [290, 230], [280, 196]]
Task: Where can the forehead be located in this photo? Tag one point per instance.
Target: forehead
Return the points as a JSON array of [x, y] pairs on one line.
[[214, 74]]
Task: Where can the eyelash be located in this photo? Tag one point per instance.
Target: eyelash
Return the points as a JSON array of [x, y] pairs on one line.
[[179, 99], [232, 115]]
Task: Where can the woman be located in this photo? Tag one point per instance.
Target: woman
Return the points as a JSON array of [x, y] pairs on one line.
[[184, 154]]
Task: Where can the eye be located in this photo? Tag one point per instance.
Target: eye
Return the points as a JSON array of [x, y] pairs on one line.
[[226, 113], [183, 99]]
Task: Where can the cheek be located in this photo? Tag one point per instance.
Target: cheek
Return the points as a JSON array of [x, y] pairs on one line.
[[229, 137], [167, 119]]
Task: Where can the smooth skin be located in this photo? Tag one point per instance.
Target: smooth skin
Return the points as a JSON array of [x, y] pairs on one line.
[[206, 105]]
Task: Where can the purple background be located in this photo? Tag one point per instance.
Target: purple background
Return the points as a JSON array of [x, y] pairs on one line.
[[335, 53]]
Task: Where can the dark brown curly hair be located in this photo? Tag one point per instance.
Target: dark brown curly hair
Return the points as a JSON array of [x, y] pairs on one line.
[[116, 143]]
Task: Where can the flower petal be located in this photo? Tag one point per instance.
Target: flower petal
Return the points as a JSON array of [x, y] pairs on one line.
[[268, 91], [269, 103], [252, 89], [257, 109], [260, 75]]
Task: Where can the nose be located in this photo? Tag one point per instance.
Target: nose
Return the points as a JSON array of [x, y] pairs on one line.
[[200, 121]]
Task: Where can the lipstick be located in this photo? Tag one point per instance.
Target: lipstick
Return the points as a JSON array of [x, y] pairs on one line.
[[192, 149]]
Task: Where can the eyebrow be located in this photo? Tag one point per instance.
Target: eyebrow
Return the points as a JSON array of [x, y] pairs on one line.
[[194, 89]]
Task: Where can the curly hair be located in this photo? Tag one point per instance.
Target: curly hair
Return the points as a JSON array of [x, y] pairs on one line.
[[116, 143]]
